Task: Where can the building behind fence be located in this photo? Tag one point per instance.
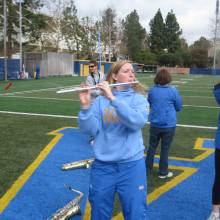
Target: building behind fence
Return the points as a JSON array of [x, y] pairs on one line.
[[49, 63]]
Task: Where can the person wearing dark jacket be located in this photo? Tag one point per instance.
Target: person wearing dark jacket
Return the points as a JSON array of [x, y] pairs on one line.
[[216, 185], [164, 102]]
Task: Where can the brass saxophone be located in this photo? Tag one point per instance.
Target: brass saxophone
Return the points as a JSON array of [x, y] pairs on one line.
[[78, 164], [70, 209]]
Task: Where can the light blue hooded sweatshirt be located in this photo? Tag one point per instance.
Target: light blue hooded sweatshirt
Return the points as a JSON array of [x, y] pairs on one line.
[[116, 126]]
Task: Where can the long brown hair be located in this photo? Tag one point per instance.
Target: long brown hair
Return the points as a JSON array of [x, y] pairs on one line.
[[115, 69]]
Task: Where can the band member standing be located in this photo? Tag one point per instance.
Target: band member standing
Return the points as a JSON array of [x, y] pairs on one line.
[[95, 77], [216, 185], [164, 102], [115, 120]]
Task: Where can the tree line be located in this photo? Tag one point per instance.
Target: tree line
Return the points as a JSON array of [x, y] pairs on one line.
[[54, 25]]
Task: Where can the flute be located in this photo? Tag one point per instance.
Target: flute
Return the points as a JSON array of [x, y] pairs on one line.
[[80, 89]]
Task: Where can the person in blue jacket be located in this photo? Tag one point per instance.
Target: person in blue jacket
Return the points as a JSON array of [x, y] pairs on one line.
[[115, 120], [216, 185], [164, 102]]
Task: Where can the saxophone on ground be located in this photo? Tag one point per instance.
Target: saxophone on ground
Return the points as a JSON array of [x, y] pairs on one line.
[[70, 209], [78, 164]]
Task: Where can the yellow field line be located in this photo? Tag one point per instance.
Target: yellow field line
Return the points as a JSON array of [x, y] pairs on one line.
[[18, 184]]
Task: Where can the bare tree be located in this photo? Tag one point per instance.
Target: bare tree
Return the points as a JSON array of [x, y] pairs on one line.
[[108, 30]]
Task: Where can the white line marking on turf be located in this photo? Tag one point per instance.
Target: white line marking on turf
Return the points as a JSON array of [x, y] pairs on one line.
[[31, 97], [186, 79], [190, 90], [179, 82], [36, 114], [201, 106], [196, 96], [38, 90], [75, 117], [196, 126], [30, 91]]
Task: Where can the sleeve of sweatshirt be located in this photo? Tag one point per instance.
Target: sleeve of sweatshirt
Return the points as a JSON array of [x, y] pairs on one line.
[[88, 120], [216, 91], [177, 100], [134, 116]]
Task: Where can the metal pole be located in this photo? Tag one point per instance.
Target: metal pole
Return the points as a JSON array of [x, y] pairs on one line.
[[5, 44], [20, 34], [100, 51], [215, 36]]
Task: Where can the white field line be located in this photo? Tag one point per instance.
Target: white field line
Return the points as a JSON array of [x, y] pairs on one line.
[[33, 97], [190, 90], [75, 117], [196, 96], [196, 126], [186, 79], [31, 91], [179, 82], [196, 87], [38, 90], [36, 114], [201, 106]]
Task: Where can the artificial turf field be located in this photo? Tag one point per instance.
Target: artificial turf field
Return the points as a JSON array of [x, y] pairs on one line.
[[25, 135]]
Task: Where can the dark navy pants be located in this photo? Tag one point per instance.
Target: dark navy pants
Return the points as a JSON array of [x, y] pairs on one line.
[[165, 135], [216, 185], [128, 180]]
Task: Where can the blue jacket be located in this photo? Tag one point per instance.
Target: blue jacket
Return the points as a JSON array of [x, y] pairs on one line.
[[164, 102], [216, 92], [116, 126]]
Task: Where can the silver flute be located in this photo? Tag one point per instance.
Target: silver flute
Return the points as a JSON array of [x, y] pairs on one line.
[[80, 89], [78, 164], [70, 209]]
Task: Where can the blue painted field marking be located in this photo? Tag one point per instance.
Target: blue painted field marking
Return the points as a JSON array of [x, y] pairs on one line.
[[191, 199], [44, 191]]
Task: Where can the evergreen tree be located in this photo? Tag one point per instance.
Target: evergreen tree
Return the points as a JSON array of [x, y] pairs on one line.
[[157, 33], [172, 33], [134, 35]]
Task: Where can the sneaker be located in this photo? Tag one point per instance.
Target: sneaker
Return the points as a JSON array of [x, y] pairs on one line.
[[170, 174], [213, 217]]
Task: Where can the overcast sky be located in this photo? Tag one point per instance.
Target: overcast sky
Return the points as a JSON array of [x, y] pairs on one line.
[[195, 17]]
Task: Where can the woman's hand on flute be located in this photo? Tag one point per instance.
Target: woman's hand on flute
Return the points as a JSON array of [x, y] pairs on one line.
[[84, 96], [106, 90]]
